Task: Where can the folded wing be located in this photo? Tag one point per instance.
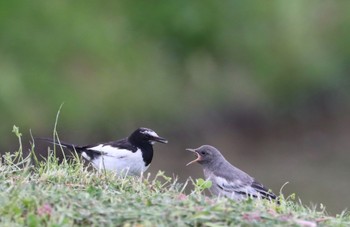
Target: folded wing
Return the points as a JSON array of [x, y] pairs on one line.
[[244, 188]]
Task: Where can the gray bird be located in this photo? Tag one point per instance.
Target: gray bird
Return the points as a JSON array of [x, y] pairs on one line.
[[226, 179]]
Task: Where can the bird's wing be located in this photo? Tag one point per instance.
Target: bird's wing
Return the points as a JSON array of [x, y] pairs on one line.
[[116, 149], [235, 186], [246, 187], [120, 144], [266, 193]]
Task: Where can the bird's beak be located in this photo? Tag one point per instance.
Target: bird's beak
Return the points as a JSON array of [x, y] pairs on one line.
[[198, 156], [159, 139]]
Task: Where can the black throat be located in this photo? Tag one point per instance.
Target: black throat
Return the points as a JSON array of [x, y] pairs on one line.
[[145, 147]]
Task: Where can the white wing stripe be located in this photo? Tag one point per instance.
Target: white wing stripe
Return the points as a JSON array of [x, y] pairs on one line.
[[111, 151]]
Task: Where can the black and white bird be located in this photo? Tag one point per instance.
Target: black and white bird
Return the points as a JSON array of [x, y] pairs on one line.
[[131, 155], [226, 179]]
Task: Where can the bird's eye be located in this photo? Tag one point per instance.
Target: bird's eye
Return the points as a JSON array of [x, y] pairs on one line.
[[203, 152]]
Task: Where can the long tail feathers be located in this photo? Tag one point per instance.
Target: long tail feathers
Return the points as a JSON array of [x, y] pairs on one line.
[[60, 143]]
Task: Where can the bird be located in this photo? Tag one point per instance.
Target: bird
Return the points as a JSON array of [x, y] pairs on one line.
[[227, 180], [131, 155]]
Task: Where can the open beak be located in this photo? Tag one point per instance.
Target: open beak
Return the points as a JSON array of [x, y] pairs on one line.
[[198, 156], [159, 139]]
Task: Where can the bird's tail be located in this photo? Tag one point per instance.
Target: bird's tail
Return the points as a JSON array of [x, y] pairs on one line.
[[69, 146]]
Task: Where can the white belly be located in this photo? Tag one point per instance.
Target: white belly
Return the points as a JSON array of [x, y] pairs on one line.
[[120, 161]]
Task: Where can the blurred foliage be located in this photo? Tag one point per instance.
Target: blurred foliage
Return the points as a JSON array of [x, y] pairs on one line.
[[120, 64]]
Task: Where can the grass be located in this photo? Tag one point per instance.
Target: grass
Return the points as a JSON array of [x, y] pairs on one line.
[[49, 193]]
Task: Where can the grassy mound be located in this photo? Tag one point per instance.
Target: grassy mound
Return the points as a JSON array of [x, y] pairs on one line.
[[50, 193]]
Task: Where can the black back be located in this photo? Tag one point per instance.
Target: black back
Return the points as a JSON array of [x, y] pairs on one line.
[[120, 144]]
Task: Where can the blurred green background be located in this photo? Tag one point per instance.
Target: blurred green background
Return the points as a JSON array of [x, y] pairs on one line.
[[267, 82]]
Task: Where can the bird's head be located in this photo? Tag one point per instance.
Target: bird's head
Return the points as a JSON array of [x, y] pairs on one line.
[[145, 135], [205, 154]]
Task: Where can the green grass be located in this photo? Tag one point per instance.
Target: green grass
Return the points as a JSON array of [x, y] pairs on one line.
[[49, 193]]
